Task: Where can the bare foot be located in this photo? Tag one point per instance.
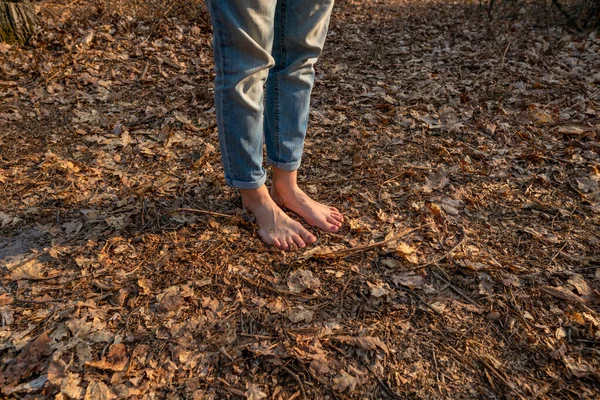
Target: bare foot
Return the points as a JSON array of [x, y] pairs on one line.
[[286, 193], [275, 227]]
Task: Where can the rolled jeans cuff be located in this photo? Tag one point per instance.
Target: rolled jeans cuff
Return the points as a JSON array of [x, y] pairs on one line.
[[291, 166], [247, 185]]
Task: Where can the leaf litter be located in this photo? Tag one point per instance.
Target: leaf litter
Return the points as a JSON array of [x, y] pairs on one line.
[[463, 152]]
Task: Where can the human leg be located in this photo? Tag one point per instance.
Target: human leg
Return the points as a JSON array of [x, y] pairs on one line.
[[300, 28], [242, 41], [299, 36]]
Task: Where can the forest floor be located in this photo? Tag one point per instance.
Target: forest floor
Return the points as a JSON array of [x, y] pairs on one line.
[[463, 152]]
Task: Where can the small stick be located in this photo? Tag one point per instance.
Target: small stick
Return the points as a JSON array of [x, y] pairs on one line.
[[265, 337], [558, 252], [383, 385], [297, 379], [426, 304], [437, 260], [352, 250], [198, 211], [458, 291], [277, 290]]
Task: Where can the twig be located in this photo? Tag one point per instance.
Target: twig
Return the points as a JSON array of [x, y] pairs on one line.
[[457, 290], [352, 250], [262, 337], [411, 291], [136, 267], [426, 304], [277, 290], [558, 252], [60, 5], [504, 53], [198, 211], [231, 389], [156, 22], [324, 181], [498, 374], [590, 97], [437, 260], [383, 385], [297, 379]]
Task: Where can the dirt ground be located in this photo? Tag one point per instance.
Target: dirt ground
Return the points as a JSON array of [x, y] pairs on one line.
[[463, 151]]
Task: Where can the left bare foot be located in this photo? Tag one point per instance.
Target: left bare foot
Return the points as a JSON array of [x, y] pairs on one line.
[[324, 217]]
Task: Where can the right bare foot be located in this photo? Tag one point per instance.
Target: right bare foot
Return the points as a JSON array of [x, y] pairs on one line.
[[275, 227]]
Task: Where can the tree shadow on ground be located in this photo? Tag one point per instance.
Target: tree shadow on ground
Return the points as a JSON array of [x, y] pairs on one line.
[[422, 117]]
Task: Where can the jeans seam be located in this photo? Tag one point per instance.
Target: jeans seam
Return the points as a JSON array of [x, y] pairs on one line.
[[218, 27], [282, 59]]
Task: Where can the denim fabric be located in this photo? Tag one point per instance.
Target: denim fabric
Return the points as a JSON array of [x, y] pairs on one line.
[[258, 42]]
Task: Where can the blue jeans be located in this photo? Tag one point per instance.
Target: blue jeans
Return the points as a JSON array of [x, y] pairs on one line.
[[276, 42]]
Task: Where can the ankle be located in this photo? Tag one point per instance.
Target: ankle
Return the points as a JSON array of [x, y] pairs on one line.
[[284, 181], [251, 198], [284, 187]]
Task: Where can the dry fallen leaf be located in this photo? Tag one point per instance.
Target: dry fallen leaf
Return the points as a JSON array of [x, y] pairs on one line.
[[6, 299], [580, 284], [365, 342], [407, 251], [299, 313], [409, 279], [254, 393], [436, 181], [300, 280], [116, 359], [580, 368], [378, 289], [570, 130], [97, 390], [345, 381], [32, 269], [70, 386]]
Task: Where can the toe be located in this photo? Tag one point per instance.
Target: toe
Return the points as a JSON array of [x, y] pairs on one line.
[[298, 240], [308, 237], [333, 221], [284, 244], [290, 242], [338, 217], [276, 243]]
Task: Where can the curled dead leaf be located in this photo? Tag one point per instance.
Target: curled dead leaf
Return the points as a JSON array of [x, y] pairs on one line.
[[435, 181], [580, 284]]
